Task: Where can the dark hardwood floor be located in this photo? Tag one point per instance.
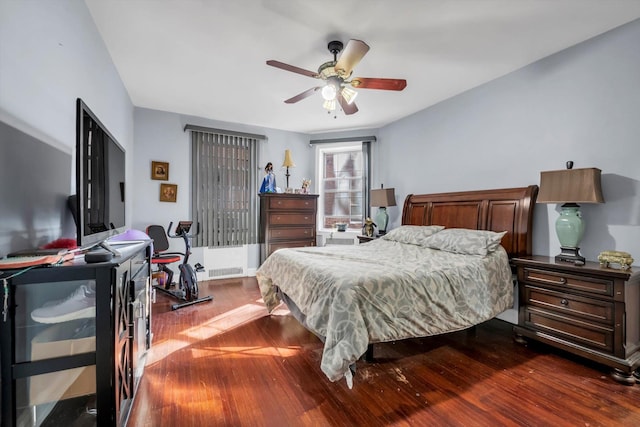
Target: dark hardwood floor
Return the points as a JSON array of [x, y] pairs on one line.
[[228, 363]]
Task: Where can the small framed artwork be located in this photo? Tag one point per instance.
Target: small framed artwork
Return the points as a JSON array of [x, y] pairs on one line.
[[168, 192], [160, 170]]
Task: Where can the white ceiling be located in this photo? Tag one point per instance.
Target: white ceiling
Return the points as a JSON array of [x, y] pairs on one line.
[[207, 57]]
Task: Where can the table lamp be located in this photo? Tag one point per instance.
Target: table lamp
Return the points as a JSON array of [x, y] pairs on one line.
[[288, 163], [570, 187], [382, 198]]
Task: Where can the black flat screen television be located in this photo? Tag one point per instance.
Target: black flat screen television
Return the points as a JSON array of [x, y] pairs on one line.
[[100, 177]]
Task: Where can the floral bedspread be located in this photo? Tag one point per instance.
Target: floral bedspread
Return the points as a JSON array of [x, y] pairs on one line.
[[381, 291]]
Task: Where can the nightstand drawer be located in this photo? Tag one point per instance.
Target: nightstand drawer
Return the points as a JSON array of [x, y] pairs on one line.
[[584, 333], [595, 286], [292, 219], [291, 233], [572, 305]]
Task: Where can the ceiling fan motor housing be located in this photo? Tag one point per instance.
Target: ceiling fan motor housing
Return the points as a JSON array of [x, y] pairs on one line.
[[335, 47]]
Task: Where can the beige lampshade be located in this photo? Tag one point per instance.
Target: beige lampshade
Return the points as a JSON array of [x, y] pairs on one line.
[[383, 197], [288, 162], [570, 186]]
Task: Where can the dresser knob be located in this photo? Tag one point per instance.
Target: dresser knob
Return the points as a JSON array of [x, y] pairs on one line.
[[564, 302]]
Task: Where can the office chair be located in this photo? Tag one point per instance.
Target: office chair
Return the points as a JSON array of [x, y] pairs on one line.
[[160, 255]]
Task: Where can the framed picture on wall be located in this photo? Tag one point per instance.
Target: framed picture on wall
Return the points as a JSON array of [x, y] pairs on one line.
[[168, 192], [160, 170]]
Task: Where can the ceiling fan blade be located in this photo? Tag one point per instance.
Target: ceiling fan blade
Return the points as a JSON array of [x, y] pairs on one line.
[[307, 93], [292, 68], [346, 107], [350, 56], [382, 84]]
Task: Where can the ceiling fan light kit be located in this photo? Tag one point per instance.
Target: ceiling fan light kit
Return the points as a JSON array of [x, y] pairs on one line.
[[337, 88], [329, 92]]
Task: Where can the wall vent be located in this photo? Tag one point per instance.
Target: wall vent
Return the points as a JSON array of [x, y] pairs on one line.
[[224, 262], [217, 272]]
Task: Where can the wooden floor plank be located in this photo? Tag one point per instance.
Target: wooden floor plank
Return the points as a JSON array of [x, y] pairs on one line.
[[229, 363]]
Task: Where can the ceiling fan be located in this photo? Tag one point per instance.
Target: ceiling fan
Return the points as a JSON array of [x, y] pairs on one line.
[[336, 74]]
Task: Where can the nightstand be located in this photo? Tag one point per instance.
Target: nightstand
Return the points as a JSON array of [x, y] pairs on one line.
[[589, 310], [364, 239]]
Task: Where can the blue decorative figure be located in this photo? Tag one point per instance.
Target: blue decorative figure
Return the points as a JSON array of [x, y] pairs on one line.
[[269, 181]]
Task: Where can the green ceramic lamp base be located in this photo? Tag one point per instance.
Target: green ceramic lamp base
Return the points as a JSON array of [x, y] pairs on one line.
[[382, 219], [570, 229]]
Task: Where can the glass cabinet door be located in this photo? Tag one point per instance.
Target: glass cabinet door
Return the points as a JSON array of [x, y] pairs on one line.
[[54, 326]]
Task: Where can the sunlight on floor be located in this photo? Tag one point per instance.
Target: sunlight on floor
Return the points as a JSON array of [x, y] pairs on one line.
[[239, 352], [217, 325]]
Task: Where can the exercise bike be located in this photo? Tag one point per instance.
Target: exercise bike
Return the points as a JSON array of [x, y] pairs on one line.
[[187, 290]]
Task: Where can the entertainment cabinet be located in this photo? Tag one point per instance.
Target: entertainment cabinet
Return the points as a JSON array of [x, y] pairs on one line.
[[81, 371]]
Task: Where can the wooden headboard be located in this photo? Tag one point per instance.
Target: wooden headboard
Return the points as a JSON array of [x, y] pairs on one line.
[[508, 209]]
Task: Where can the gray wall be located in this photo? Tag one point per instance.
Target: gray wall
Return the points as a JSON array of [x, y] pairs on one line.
[[50, 54], [581, 104]]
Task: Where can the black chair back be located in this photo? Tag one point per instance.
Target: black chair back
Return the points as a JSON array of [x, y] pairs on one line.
[[159, 236]]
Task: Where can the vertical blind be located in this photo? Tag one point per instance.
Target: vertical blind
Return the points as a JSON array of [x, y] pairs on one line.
[[224, 188]]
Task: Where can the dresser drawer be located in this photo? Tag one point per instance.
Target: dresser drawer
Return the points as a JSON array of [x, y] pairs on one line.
[[292, 218], [292, 233], [585, 333], [588, 285], [572, 305], [272, 247], [293, 204]]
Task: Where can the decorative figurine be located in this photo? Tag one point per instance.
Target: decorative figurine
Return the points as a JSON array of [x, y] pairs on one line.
[[305, 185], [615, 257], [269, 180], [368, 227]]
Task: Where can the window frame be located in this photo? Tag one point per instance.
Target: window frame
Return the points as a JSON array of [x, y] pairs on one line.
[[338, 147]]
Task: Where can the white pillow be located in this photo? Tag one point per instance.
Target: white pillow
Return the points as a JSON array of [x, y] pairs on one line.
[[412, 234], [465, 241]]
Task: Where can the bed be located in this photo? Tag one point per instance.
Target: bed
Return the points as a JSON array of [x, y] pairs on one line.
[[446, 268]]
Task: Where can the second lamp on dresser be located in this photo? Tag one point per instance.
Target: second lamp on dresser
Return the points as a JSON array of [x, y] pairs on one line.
[[286, 221]]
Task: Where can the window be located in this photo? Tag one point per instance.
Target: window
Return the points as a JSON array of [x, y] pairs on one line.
[[224, 175], [343, 177]]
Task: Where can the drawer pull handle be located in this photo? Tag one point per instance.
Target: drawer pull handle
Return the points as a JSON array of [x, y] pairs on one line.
[[560, 281], [564, 302]]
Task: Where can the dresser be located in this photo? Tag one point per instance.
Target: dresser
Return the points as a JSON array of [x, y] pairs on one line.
[[286, 221], [588, 310]]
